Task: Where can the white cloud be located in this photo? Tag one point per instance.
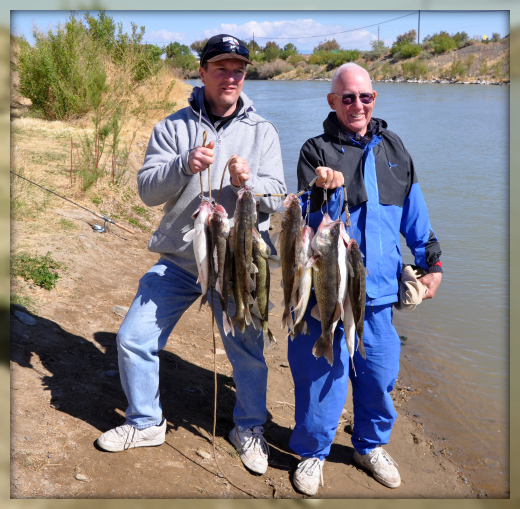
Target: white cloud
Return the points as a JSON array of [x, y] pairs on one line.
[[293, 31], [165, 36]]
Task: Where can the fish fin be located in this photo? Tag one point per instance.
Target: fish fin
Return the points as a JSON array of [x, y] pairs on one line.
[[287, 319], [274, 261], [337, 312], [188, 228], [315, 313], [350, 269], [253, 268], [272, 339], [203, 300], [257, 323], [188, 237], [323, 348], [275, 238], [251, 284], [226, 324], [247, 315], [312, 261], [305, 328], [361, 348], [270, 306], [281, 285], [342, 316], [255, 310], [239, 322]]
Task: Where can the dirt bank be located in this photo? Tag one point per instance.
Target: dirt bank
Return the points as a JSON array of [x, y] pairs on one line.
[[65, 387]]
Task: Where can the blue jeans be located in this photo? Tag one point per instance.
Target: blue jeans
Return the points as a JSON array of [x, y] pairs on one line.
[[320, 390], [165, 292]]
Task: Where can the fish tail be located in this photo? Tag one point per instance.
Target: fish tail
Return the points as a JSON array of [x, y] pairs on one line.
[[287, 319], [323, 348], [361, 348], [203, 300], [239, 320], [227, 324]]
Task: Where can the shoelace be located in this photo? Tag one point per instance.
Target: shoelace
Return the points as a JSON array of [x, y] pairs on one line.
[[254, 438], [310, 469], [379, 451]]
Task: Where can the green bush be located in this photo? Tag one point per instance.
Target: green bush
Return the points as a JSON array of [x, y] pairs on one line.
[[442, 42], [63, 74], [409, 50], [457, 69], [333, 59], [414, 69], [289, 50], [181, 56], [41, 270]]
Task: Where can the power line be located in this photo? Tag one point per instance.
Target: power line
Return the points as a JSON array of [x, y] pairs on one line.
[[336, 33]]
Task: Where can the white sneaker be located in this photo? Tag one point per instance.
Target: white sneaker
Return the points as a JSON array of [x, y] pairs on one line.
[[251, 446], [126, 437], [307, 477], [380, 463]]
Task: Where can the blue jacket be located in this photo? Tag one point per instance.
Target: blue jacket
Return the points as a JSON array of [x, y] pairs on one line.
[[379, 175]]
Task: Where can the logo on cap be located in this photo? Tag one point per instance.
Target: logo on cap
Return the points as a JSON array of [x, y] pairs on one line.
[[232, 40]]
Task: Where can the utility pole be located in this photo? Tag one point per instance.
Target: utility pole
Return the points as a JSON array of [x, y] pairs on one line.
[[254, 44], [378, 36], [419, 29]]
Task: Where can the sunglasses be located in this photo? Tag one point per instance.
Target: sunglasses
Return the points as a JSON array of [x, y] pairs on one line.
[[224, 47], [364, 97]]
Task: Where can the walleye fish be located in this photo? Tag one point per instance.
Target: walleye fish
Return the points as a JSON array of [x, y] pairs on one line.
[[290, 245], [218, 254], [304, 284], [243, 284], [261, 258], [327, 280], [199, 236], [357, 291]]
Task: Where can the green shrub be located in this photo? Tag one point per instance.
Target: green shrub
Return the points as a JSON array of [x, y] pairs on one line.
[[63, 74], [457, 69], [425, 55], [333, 59], [41, 270], [414, 69], [409, 50], [442, 42], [289, 50]]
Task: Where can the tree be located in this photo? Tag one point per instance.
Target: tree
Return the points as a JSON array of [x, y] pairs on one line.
[[460, 37], [327, 46], [181, 56], [271, 51], [442, 42], [410, 37], [197, 46], [253, 48], [377, 45], [495, 37], [288, 50], [101, 29]]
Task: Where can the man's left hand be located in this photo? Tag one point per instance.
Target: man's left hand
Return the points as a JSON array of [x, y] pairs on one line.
[[239, 171], [431, 283]]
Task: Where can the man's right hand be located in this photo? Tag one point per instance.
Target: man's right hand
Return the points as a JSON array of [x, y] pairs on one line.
[[329, 178], [200, 158]]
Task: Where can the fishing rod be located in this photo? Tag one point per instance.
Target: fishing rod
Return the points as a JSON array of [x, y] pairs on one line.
[[298, 194], [106, 219]]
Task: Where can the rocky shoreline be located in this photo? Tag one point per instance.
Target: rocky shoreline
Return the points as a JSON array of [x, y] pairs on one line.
[[435, 80]]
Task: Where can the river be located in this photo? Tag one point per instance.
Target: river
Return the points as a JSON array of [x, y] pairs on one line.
[[457, 345]]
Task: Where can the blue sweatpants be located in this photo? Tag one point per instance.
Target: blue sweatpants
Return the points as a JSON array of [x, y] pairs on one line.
[[320, 390]]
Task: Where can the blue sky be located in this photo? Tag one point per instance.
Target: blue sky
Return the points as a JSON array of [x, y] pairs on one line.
[[305, 29]]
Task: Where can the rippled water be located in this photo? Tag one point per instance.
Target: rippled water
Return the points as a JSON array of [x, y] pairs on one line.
[[457, 345]]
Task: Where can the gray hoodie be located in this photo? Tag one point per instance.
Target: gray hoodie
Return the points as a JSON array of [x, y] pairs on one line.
[[166, 178]]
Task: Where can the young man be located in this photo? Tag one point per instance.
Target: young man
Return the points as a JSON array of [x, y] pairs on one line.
[[384, 200], [169, 177]]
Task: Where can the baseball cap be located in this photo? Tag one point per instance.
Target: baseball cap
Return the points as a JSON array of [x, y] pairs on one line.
[[222, 46]]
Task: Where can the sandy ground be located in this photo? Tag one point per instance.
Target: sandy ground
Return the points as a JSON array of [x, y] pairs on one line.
[[65, 391]]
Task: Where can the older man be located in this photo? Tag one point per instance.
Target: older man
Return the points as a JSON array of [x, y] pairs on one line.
[[384, 200], [170, 177]]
